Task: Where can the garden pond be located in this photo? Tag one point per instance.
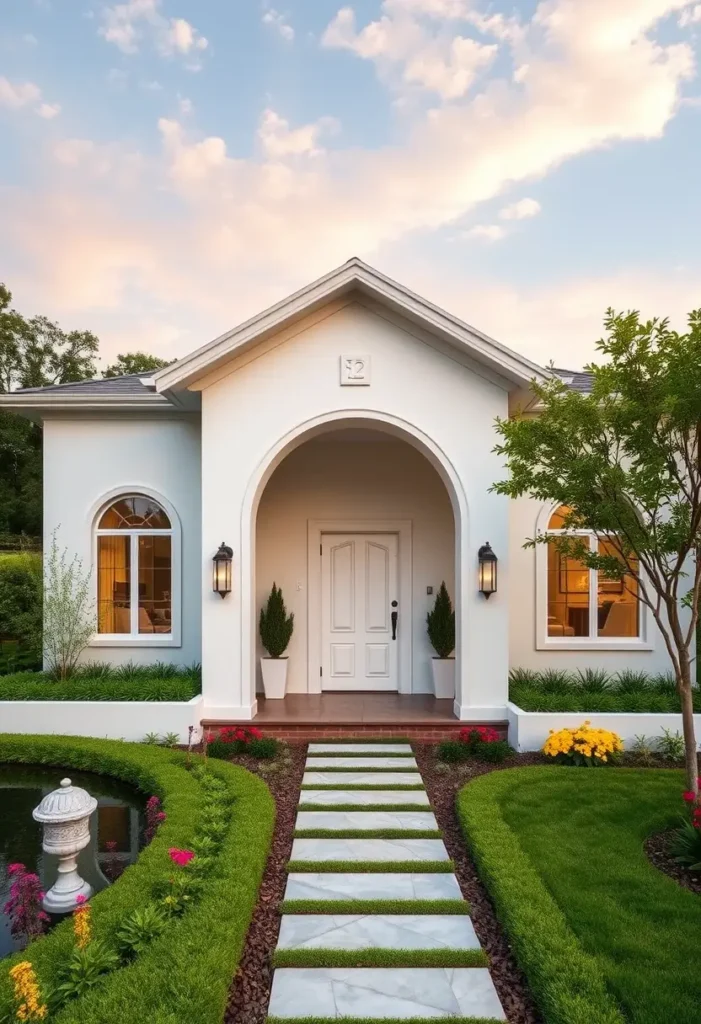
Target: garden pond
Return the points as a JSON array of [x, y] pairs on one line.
[[116, 828]]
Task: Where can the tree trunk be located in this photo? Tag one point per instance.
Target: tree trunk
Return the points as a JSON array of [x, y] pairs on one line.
[[684, 685]]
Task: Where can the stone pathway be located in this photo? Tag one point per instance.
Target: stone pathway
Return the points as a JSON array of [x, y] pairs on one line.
[[409, 949]]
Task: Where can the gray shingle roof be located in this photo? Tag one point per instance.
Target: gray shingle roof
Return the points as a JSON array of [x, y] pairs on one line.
[[578, 380], [129, 384]]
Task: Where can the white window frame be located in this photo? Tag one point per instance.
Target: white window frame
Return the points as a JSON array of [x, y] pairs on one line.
[[134, 638], [593, 642]]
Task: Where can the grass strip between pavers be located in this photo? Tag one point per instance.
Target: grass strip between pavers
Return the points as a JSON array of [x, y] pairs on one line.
[[368, 833], [457, 906], [365, 739], [364, 807], [380, 958], [382, 1020], [394, 787], [366, 769], [371, 867]]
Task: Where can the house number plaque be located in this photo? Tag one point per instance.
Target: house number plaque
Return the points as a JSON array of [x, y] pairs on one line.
[[355, 370]]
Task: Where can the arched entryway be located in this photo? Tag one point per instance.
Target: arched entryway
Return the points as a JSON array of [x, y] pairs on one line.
[[361, 488]]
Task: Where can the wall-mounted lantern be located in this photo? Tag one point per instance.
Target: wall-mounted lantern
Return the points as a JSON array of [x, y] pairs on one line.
[[487, 570], [221, 570]]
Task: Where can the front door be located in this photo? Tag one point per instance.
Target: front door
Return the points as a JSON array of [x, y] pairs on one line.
[[358, 585]]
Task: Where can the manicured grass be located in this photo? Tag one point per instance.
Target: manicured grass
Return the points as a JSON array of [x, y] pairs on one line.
[[368, 833], [102, 682], [363, 807], [373, 866], [602, 936], [185, 974], [374, 907], [364, 785], [380, 958]]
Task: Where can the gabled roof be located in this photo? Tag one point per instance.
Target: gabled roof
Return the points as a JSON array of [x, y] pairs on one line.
[[577, 380], [353, 276], [128, 384]]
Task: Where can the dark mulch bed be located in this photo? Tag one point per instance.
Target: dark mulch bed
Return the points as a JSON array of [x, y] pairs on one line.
[[250, 989], [442, 786], [657, 850]]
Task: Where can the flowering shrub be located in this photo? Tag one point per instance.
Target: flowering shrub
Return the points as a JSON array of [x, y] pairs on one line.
[[27, 995], [81, 922], [180, 857], [685, 844], [155, 816], [480, 741], [241, 740], [24, 905], [583, 746]]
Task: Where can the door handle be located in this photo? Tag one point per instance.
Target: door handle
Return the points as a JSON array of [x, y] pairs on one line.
[[394, 620]]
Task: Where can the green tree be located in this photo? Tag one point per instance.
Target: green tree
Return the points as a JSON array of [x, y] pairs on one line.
[[135, 362], [627, 461]]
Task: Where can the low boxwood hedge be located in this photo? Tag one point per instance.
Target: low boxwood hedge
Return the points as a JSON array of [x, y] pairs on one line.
[[148, 683], [185, 974], [566, 981]]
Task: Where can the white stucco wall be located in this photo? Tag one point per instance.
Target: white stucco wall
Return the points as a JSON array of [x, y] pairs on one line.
[[258, 407], [340, 477], [524, 595], [86, 459]]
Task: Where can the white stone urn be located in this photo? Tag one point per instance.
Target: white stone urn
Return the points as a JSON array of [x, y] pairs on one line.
[[65, 815]]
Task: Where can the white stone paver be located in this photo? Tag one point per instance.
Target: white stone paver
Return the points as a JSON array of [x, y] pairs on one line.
[[359, 748], [384, 992], [361, 778], [377, 931], [358, 763], [383, 885], [349, 821], [361, 797], [379, 850]]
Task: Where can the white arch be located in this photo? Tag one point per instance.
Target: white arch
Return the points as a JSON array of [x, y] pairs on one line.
[[299, 434]]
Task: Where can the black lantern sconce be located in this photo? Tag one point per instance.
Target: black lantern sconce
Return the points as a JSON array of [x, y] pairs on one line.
[[221, 570], [487, 570]]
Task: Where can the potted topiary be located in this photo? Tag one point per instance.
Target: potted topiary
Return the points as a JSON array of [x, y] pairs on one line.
[[441, 632], [275, 632]]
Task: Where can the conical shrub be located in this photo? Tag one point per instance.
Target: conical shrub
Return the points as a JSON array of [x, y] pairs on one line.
[[441, 624], [275, 625]]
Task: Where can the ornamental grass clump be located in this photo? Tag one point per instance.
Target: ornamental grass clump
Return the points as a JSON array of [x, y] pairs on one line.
[[583, 746]]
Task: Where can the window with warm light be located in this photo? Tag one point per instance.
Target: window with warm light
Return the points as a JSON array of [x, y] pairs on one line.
[[583, 603], [135, 569]]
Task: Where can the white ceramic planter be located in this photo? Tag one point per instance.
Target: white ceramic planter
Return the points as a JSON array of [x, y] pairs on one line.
[[443, 677], [274, 677]]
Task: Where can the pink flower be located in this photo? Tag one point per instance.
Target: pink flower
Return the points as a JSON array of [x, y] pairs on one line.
[[161, 816], [80, 900], [180, 857], [15, 869], [153, 801], [689, 796]]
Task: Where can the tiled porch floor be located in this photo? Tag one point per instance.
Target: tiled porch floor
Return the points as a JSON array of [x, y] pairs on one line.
[[302, 716]]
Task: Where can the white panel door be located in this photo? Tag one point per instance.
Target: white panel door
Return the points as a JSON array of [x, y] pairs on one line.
[[358, 586]]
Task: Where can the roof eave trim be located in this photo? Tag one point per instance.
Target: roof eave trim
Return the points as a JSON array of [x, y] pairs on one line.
[[510, 364], [17, 402]]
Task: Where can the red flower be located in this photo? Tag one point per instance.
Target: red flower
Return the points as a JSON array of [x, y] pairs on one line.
[[255, 734], [15, 869], [180, 857], [689, 796]]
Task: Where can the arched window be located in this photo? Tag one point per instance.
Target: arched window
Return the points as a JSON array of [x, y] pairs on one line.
[[582, 602], [135, 568]]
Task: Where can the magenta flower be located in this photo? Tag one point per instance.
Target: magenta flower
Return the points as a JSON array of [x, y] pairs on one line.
[[180, 857], [80, 899], [15, 869]]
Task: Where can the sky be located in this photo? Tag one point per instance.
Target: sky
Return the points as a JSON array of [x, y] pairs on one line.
[[169, 168]]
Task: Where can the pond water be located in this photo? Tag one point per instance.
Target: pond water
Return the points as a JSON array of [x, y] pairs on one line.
[[116, 827]]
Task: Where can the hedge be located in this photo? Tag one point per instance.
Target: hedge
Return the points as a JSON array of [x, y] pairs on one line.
[[566, 981], [133, 683], [185, 974], [595, 691]]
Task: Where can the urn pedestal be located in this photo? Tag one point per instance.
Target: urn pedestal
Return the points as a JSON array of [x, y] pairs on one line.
[[65, 815]]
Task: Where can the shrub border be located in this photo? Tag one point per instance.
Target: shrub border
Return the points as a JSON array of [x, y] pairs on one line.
[[566, 981], [202, 947]]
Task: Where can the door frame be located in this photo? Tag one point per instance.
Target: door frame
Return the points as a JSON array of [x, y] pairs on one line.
[[403, 529]]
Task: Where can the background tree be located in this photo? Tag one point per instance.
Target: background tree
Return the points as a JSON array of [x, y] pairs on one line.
[[627, 461], [135, 362]]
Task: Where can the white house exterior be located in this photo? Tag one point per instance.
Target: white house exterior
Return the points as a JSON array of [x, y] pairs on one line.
[[341, 444]]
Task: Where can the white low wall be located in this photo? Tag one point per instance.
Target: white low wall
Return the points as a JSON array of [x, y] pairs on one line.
[[113, 720], [528, 730]]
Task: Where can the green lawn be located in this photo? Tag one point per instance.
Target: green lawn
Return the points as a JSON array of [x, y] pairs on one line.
[[601, 934]]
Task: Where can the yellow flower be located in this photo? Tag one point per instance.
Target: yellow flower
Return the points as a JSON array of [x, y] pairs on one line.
[[26, 992], [591, 743], [81, 925]]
